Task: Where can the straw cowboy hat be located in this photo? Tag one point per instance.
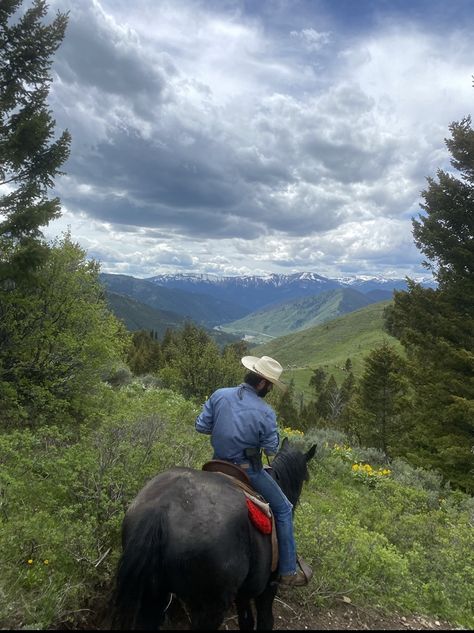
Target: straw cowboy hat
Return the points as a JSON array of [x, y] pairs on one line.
[[267, 367]]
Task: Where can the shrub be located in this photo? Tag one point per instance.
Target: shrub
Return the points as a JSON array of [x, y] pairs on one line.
[[63, 495], [399, 546]]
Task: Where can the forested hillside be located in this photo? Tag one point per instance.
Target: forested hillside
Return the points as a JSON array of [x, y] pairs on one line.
[[140, 316], [199, 308], [89, 411]]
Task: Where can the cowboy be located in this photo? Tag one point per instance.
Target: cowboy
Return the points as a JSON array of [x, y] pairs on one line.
[[239, 421]]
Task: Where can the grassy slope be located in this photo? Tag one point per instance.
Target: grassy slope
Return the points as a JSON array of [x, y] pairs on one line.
[[329, 345], [297, 314]]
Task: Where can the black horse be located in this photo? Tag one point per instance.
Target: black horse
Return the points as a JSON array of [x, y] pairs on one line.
[[188, 533]]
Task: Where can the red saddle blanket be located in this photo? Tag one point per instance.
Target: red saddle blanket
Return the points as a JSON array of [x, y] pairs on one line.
[[258, 517]]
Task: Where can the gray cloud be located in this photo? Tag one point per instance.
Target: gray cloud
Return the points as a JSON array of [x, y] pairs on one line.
[[203, 127], [100, 53]]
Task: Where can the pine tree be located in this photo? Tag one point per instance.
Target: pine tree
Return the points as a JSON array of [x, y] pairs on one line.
[[30, 158], [169, 345], [317, 380], [231, 369], [286, 409], [437, 326], [317, 408], [144, 355], [347, 387], [193, 362], [383, 399]]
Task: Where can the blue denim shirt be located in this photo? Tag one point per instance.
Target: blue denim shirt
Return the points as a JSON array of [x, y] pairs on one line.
[[237, 418]]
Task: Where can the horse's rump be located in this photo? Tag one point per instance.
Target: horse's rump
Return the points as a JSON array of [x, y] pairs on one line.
[[196, 526], [188, 533]]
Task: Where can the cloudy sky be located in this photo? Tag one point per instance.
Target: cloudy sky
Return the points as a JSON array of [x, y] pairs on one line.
[[254, 136]]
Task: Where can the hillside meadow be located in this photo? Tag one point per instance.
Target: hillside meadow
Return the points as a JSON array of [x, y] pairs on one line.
[[385, 535], [329, 345], [296, 315]]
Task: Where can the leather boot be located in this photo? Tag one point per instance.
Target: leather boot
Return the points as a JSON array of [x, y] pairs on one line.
[[300, 578]]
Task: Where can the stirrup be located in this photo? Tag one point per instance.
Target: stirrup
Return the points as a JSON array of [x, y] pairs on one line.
[[305, 568]]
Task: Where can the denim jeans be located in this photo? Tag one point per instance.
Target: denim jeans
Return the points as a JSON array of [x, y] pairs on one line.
[[282, 510]]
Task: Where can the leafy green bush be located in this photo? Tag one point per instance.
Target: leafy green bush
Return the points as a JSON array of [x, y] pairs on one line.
[[352, 561], [401, 544], [405, 543], [62, 500]]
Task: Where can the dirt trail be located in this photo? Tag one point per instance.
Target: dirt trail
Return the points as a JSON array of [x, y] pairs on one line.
[[292, 615]]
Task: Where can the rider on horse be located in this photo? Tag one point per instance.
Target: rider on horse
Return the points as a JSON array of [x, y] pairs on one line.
[[239, 421]]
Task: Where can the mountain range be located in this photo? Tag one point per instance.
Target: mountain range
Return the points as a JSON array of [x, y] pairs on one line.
[[254, 292], [195, 306], [271, 305]]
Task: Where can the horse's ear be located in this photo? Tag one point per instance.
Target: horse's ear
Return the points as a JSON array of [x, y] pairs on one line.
[[310, 454], [284, 442]]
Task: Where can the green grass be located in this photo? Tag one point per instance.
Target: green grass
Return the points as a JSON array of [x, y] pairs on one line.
[[296, 315], [329, 345]]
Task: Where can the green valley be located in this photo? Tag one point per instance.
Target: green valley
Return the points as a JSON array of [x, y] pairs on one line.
[[329, 345], [298, 314]]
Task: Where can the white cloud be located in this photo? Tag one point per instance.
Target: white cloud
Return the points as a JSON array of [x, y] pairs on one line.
[[312, 40]]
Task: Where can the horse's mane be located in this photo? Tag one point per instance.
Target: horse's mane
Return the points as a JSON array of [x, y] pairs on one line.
[[290, 471]]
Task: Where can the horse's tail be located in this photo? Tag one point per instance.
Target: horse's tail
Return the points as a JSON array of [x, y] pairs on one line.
[[140, 597]]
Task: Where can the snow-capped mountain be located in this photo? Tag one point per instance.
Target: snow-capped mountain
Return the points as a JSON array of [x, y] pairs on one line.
[[254, 292], [270, 279]]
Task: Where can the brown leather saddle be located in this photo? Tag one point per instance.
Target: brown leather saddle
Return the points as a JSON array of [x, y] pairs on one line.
[[228, 468]]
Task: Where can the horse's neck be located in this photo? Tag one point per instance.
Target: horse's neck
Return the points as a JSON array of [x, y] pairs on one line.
[[291, 491]]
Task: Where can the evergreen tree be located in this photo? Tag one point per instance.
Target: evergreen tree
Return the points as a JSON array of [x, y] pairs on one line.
[[348, 387], [194, 365], [317, 380], [169, 345], [145, 355], [383, 399], [437, 326], [285, 407], [232, 371], [238, 349], [30, 158], [317, 408]]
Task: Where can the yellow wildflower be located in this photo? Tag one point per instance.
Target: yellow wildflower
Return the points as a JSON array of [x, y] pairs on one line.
[[30, 561]]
